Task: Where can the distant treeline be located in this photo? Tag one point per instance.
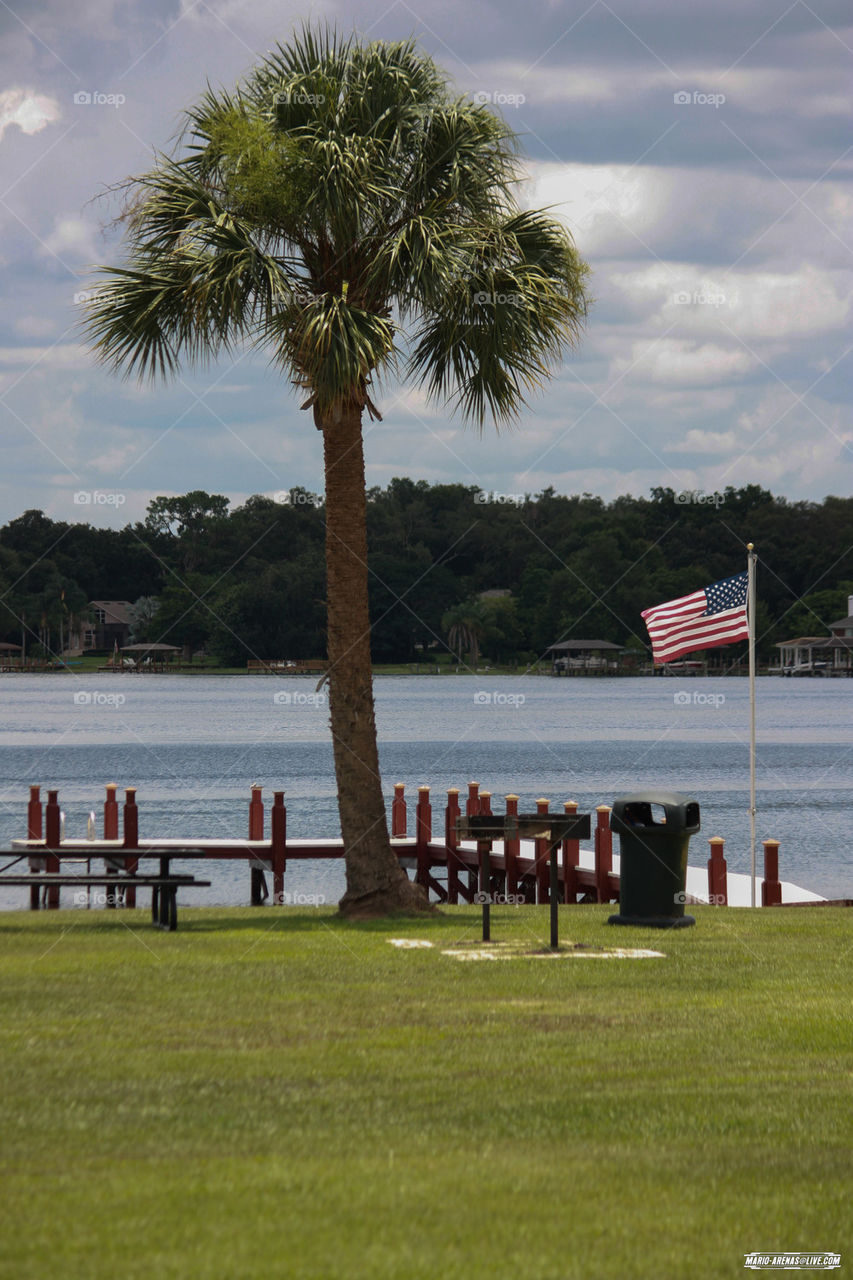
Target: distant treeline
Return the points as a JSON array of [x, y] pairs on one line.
[[249, 582]]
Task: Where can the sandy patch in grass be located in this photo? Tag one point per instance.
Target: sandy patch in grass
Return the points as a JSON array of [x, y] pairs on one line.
[[523, 951]]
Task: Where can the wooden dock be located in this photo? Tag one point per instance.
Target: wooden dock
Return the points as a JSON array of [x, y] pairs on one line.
[[450, 869]]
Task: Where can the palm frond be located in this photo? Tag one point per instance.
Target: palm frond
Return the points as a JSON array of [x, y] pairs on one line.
[[502, 327], [331, 347], [341, 182]]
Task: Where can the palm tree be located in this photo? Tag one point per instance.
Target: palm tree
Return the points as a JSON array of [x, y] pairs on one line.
[[344, 210], [464, 625]]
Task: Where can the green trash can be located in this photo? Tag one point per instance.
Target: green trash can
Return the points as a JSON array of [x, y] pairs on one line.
[[654, 829]]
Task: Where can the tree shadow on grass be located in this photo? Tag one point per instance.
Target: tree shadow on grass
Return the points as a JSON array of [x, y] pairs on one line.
[[229, 920]]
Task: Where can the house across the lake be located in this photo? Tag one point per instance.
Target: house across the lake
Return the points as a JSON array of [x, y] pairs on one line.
[[830, 655], [111, 625]]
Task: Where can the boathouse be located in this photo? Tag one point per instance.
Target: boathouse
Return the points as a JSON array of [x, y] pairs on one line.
[[584, 657], [821, 655]]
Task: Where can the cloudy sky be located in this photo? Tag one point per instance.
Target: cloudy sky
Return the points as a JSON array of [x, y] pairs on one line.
[[700, 154]]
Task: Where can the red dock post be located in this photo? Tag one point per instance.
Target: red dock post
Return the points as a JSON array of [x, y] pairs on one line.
[[603, 853], [423, 835], [718, 891], [256, 814], [398, 810], [256, 832], [111, 813], [34, 830], [52, 837], [571, 858], [34, 827], [541, 863], [511, 850], [771, 889], [131, 841], [131, 819], [111, 833], [451, 842], [278, 843]]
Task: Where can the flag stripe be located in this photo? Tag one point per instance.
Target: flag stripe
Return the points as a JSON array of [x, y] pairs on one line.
[[704, 619]]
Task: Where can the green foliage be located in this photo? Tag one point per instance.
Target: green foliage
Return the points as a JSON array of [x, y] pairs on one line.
[[249, 581], [814, 613]]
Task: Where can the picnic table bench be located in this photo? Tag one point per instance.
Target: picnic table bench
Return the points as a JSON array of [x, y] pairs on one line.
[[116, 879]]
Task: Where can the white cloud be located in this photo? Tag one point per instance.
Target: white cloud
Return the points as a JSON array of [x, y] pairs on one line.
[[704, 442], [754, 305], [677, 362], [75, 235], [62, 356], [30, 111], [692, 216]]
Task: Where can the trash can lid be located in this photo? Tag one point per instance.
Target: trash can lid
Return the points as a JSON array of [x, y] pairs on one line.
[[638, 810]]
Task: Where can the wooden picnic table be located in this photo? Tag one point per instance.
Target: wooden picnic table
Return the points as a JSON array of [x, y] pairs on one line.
[[117, 878]]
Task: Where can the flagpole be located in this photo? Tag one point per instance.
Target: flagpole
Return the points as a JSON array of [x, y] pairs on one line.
[[750, 591]]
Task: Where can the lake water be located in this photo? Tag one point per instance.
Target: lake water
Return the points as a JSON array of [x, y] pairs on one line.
[[193, 745]]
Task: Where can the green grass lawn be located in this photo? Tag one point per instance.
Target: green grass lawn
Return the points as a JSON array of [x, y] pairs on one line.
[[278, 1093]]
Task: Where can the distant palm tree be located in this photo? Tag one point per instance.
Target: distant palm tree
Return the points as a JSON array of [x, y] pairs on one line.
[[464, 625], [344, 210]]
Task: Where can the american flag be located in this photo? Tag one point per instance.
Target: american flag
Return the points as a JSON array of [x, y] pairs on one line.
[[708, 618]]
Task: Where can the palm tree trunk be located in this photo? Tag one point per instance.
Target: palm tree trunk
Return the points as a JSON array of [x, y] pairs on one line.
[[376, 884]]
